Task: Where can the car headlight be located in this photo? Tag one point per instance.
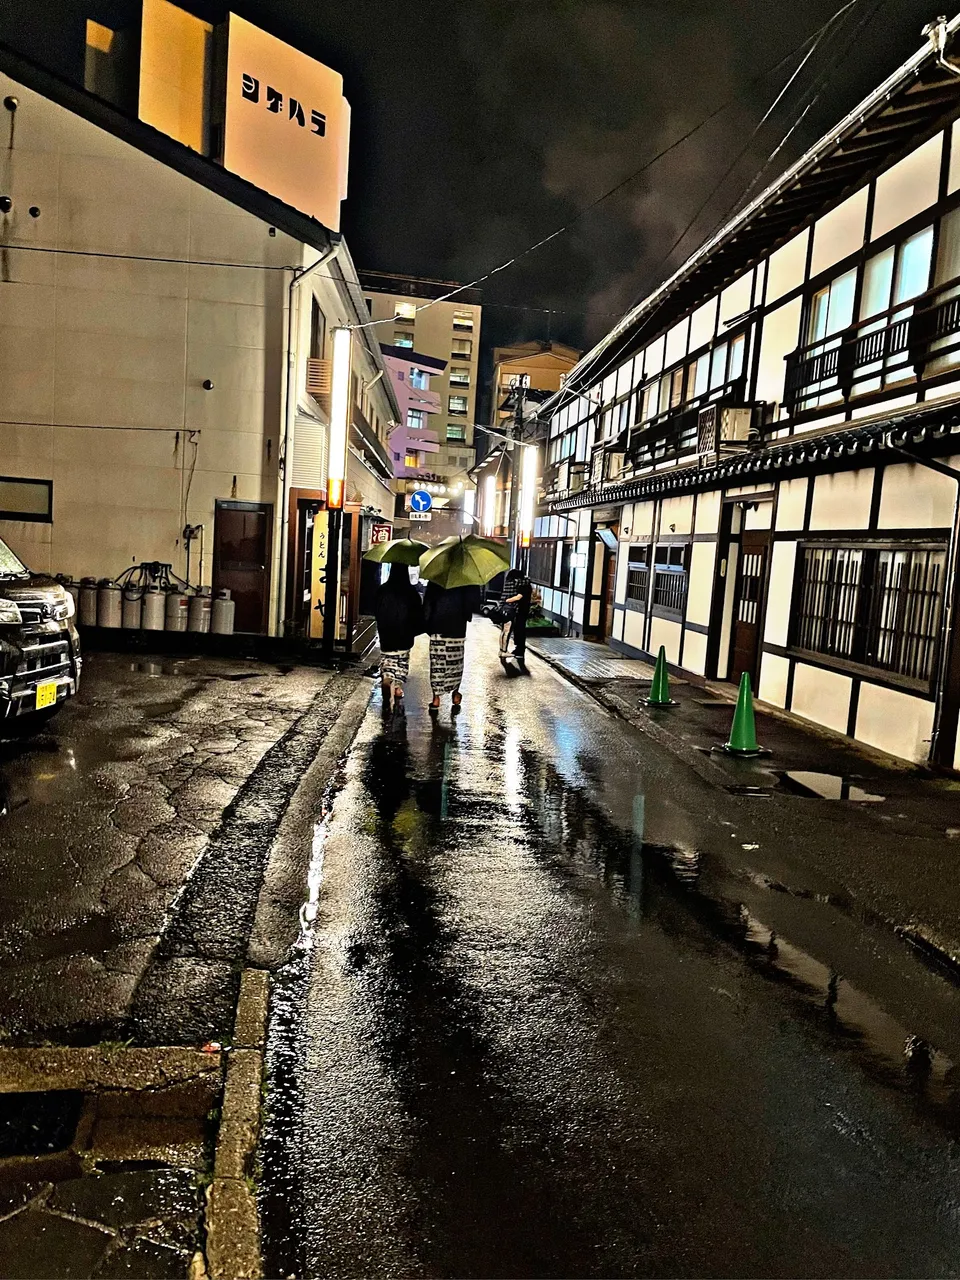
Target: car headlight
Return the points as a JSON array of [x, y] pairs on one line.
[[65, 607], [9, 614]]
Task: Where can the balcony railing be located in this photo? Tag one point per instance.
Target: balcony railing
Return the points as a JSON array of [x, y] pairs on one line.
[[673, 434], [912, 340]]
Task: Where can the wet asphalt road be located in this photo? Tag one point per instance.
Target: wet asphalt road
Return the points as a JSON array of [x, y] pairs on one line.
[[543, 1025]]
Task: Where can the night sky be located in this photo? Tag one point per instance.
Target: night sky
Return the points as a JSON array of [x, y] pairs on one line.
[[481, 125]]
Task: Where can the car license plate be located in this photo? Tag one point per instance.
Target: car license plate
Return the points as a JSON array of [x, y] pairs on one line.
[[46, 694]]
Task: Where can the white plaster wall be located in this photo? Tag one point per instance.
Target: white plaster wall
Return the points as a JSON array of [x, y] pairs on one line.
[[703, 324], [839, 232], [914, 497], [694, 651], [821, 696], [786, 267], [703, 558], [736, 298], [707, 517], [895, 722], [780, 592], [774, 672], [907, 188], [88, 344], [642, 525], [666, 633], [633, 629], [618, 625], [677, 342], [791, 504], [620, 587], [842, 500], [759, 517], [676, 511], [781, 335]]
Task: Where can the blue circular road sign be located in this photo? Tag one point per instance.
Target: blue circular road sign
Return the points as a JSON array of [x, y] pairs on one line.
[[420, 500]]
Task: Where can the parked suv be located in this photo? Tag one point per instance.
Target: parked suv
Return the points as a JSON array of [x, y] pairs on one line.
[[39, 646]]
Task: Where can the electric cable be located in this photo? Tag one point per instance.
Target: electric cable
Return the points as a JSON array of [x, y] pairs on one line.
[[581, 213]]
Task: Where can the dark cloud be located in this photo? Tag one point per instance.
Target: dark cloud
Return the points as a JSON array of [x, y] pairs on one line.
[[482, 125]]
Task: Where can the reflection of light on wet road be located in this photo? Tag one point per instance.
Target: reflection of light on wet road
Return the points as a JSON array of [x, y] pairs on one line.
[[543, 1039]]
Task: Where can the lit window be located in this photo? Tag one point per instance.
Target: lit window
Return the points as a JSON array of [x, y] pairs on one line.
[[459, 377], [411, 460], [458, 404], [419, 380], [403, 339], [456, 431], [405, 311], [463, 347], [463, 320], [415, 419]]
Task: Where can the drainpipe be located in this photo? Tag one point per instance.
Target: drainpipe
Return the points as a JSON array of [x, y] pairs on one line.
[[289, 421], [949, 588]]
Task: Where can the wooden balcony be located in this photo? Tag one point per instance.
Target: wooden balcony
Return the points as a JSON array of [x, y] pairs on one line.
[[909, 341]]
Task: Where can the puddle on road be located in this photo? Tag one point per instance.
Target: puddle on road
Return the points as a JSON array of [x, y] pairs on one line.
[[148, 668], [826, 786]]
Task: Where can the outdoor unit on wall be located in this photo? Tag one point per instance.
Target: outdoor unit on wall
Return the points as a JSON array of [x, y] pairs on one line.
[[725, 428]]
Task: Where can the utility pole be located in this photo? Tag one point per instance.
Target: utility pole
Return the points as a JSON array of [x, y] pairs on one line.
[[515, 434]]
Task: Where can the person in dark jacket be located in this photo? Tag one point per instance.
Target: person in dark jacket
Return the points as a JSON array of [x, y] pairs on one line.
[[399, 614], [515, 606], [446, 613]]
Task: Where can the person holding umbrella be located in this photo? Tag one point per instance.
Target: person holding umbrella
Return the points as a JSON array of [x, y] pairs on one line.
[[398, 611], [455, 570], [515, 607]]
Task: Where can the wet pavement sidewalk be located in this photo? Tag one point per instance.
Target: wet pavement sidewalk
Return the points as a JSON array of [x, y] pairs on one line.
[[566, 1005], [153, 846], [907, 819]]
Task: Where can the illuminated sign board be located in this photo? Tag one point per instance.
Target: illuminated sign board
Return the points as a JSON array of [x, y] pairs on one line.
[[287, 123]]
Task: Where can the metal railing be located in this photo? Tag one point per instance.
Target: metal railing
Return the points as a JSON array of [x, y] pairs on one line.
[[900, 343]]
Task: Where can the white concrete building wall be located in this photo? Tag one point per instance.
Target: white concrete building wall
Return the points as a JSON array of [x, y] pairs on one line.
[[102, 360]]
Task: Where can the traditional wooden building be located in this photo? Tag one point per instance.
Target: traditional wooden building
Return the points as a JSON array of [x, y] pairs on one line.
[[756, 468]]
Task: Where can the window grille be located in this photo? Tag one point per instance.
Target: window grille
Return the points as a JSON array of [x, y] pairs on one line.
[[877, 606], [637, 576], [670, 580], [541, 560]]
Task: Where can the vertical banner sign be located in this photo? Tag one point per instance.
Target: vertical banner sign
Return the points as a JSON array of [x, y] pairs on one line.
[[318, 573]]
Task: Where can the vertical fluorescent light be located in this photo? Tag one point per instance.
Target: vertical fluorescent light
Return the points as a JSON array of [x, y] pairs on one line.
[[339, 408], [528, 489], [489, 505], [469, 505]]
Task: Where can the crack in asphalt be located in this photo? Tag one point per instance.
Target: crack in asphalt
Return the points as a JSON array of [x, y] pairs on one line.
[[188, 991]]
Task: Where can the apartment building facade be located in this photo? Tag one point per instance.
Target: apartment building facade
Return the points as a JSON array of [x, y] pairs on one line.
[[757, 468], [166, 322], [445, 331]]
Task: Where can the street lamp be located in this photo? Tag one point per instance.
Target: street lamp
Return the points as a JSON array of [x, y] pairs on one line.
[[489, 505], [336, 480], [528, 494]]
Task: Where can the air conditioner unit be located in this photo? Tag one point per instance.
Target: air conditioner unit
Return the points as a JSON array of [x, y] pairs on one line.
[[724, 428]]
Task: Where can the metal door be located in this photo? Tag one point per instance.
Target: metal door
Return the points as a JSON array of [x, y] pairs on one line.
[[241, 560], [748, 604]]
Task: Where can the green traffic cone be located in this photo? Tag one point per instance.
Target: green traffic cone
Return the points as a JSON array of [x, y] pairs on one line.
[[660, 688], [743, 733]]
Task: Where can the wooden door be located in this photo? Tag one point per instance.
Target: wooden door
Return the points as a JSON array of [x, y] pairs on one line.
[[609, 589], [241, 560], [748, 604]]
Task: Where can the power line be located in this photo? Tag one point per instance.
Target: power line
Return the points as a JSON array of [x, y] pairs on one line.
[[624, 182], [630, 337]]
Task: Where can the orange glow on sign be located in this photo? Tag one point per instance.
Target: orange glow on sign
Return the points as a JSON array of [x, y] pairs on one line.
[[287, 123]]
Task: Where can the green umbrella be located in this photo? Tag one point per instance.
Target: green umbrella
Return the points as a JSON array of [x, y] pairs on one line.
[[399, 551], [464, 562]]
